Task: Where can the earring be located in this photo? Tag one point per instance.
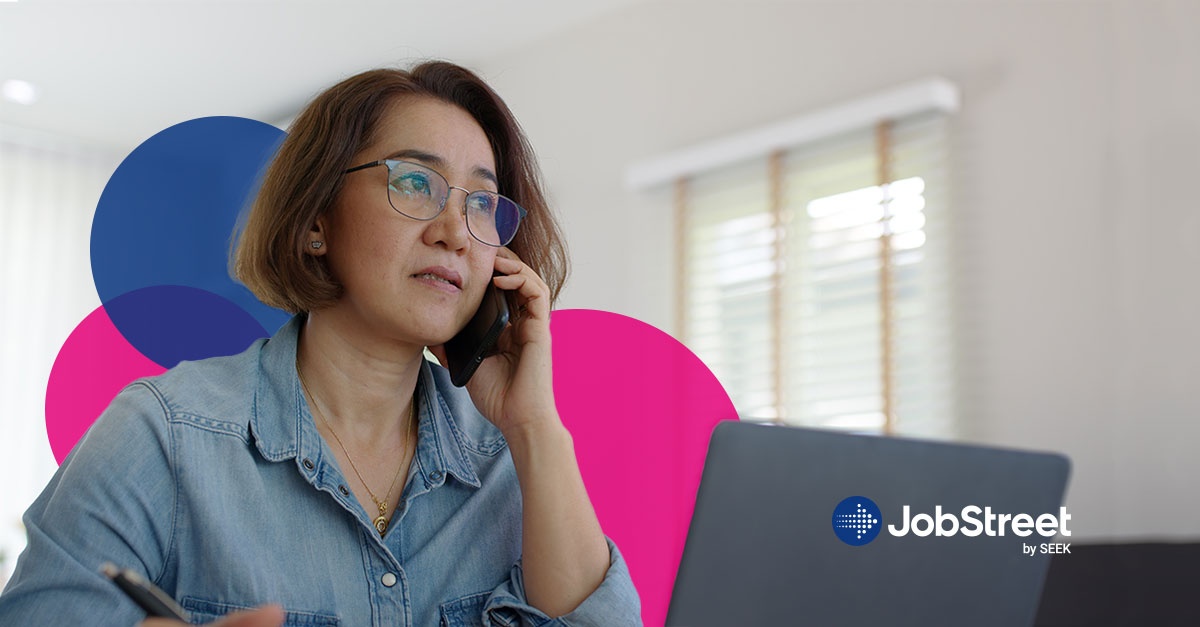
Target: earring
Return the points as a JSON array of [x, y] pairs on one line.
[[317, 245]]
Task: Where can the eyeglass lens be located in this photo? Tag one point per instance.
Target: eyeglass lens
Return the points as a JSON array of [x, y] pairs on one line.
[[421, 193]]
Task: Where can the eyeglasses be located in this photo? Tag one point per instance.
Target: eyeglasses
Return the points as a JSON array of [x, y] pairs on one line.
[[420, 193]]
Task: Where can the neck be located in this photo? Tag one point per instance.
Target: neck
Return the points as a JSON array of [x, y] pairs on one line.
[[362, 385]]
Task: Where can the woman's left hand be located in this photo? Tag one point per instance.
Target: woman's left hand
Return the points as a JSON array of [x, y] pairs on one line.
[[564, 552], [514, 389]]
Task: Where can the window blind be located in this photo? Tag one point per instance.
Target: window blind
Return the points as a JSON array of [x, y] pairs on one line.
[[815, 280]]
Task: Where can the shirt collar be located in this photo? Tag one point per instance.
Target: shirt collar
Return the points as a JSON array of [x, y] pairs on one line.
[[438, 426], [283, 428], [278, 404]]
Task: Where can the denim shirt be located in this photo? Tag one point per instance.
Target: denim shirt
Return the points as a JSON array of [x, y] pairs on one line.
[[212, 481]]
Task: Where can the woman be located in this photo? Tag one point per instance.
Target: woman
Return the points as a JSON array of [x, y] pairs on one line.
[[274, 476]]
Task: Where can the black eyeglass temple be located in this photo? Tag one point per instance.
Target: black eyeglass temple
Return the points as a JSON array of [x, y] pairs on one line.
[[364, 166]]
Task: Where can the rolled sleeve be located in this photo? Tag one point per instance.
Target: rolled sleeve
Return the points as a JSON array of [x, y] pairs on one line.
[[614, 604]]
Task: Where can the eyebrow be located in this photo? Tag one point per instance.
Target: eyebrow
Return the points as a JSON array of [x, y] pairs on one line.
[[435, 161]]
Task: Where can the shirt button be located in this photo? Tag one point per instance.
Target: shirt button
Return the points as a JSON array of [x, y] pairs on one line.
[[435, 475], [389, 579], [308, 463], [343, 490]]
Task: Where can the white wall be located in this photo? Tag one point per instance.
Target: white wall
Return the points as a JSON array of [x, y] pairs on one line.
[[1075, 169]]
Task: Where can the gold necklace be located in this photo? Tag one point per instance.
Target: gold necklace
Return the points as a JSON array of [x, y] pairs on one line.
[[381, 522]]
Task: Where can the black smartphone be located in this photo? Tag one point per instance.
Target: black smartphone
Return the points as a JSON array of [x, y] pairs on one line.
[[477, 341]]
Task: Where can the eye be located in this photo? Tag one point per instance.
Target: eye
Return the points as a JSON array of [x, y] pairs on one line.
[[482, 203], [412, 184]]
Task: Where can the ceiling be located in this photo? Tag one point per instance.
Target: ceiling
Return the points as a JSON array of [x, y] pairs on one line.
[[113, 73]]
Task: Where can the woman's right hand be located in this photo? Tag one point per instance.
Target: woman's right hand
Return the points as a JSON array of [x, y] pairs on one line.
[[265, 616]]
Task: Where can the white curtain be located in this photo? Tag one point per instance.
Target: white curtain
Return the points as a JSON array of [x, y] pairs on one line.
[[49, 187]]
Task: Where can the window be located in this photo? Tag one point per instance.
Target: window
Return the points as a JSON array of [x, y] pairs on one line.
[[814, 276]]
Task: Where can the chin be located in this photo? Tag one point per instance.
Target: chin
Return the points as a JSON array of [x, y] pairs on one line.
[[428, 330], [437, 332]]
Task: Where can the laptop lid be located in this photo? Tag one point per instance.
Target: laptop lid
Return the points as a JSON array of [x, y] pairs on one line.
[[762, 548]]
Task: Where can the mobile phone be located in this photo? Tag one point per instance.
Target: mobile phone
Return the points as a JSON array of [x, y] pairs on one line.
[[477, 341], [149, 597]]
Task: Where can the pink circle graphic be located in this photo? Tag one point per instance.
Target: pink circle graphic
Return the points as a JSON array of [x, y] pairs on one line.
[[641, 408], [94, 364]]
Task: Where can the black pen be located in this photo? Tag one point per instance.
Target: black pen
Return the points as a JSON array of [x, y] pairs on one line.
[[155, 602]]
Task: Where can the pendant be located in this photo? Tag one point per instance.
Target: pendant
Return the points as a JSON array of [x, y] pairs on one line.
[[381, 523]]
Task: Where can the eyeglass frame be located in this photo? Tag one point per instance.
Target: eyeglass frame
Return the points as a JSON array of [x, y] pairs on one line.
[[521, 212]]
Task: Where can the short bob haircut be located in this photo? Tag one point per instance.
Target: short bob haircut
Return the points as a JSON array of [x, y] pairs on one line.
[[305, 179]]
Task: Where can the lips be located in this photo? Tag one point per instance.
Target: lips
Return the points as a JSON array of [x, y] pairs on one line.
[[439, 275]]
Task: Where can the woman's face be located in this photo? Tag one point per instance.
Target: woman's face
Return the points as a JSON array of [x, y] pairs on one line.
[[405, 279]]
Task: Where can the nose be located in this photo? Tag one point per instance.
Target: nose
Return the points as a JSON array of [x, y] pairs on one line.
[[449, 228]]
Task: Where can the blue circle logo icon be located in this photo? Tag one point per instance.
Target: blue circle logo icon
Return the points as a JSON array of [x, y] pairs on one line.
[[857, 520]]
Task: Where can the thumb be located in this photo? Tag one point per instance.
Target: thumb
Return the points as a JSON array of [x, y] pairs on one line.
[[265, 616]]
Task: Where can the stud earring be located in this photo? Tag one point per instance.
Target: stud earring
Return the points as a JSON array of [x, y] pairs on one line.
[[317, 245]]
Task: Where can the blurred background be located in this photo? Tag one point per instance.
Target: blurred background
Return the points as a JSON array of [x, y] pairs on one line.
[[1047, 301]]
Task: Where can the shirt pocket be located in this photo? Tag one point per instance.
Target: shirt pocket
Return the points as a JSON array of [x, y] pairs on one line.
[[468, 612], [203, 611]]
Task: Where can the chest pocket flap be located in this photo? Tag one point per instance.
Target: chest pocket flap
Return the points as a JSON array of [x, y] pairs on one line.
[[207, 611]]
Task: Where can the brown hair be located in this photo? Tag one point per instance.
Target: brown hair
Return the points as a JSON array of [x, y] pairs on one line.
[[305, 178]]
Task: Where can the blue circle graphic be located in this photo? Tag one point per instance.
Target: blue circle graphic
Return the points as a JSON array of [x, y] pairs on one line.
[[166, 218], [857, 520], [172, 323]]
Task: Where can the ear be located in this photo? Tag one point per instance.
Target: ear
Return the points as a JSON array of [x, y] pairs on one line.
[[317, 244]]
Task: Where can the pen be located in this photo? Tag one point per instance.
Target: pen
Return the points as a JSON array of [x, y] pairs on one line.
[[148, 597]]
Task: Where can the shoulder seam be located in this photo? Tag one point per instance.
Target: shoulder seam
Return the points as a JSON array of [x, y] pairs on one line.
[[213, 425]]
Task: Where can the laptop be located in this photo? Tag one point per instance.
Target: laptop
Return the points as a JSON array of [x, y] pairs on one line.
[[795, 526]]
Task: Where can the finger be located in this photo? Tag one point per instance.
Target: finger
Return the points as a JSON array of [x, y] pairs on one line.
[[533, 295], [526, 286], [519, 268], [509, 265], [514, 267], [509, 281]]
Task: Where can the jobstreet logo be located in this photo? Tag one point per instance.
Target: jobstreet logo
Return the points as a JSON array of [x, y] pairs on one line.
[[857, 521], [947, 524]]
